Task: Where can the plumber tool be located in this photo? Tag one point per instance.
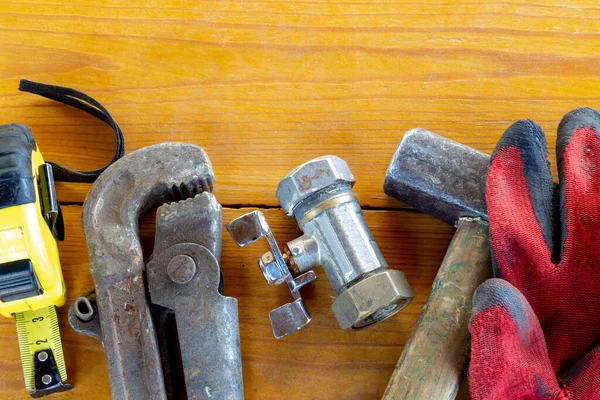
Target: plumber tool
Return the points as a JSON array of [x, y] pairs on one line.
[[447, 180], [31, 222], [319, 195], [182, 339]]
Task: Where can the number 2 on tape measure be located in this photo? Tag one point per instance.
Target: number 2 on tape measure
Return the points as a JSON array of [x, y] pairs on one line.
[[38, 331]]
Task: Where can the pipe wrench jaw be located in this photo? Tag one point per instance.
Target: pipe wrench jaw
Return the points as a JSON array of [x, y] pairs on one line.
[[162, 321], [184, 280]]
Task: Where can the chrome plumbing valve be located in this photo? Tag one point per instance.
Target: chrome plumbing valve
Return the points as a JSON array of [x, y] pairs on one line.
[[319, 195]]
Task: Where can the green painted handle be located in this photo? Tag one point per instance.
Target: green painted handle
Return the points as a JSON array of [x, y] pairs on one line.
[[434, 359]]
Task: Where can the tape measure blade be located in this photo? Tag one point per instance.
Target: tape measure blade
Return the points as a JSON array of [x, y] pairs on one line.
[[26, 356], [38, 330]]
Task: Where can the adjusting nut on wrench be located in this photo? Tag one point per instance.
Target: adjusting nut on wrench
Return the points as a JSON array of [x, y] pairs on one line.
[[319, 195]]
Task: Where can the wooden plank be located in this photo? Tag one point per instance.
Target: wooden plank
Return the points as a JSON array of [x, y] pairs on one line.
[[321, 361], [266, 85]]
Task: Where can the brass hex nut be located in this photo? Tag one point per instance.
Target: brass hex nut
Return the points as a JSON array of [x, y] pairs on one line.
[[310, 177], [372, 300]]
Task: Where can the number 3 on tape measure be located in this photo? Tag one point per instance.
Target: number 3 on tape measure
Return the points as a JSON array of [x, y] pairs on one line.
[[41, 351]]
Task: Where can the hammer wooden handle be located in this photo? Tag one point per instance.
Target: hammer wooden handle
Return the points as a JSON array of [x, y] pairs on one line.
[[434, 359]]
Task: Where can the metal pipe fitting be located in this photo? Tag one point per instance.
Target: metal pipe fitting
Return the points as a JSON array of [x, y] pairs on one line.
[[319, 195]]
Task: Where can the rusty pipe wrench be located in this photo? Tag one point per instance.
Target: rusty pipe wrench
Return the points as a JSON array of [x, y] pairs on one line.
[[446, 180], [184, 309]]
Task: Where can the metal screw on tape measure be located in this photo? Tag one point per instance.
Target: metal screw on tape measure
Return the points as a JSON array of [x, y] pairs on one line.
[[319, 195]]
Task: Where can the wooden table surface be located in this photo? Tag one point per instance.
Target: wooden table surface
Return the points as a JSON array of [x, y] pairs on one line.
[[262, 86]]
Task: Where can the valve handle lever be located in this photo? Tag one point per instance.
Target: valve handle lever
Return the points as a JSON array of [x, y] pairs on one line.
[[289, 317]]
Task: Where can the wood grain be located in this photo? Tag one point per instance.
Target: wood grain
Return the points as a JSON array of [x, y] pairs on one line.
[[264, 85]]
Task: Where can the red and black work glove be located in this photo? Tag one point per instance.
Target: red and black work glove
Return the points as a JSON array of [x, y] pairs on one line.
[[535, 330]]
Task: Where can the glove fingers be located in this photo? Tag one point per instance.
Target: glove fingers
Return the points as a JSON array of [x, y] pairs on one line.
[[582, 379], [519, 199], [509, 358], [578, 153]]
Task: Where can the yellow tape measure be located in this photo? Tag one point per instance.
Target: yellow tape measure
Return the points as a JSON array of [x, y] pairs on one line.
[[31, 281], [41, 351]]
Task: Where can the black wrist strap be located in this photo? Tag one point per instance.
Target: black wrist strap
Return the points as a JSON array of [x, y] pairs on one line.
[[85, 103]]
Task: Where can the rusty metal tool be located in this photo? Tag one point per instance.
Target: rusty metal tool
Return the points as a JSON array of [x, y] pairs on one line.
[[319, 195], [446, 180], [167, 331]]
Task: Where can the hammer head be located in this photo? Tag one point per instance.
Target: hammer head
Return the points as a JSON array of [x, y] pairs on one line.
[[438, 176]]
